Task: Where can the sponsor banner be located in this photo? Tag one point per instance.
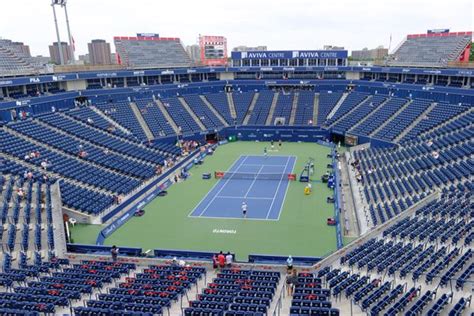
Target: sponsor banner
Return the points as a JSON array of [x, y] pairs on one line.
[[109, 230], [288, 54]]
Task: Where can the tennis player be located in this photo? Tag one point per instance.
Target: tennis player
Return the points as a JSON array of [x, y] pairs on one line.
[[265, 153], [244, 209]]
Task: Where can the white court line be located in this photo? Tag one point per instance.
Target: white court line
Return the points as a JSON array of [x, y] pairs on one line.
[[259, 165], [220, 190], [240, 218], [278, 188], [232, 166], [286, 191], [241, 197], [253, 182]]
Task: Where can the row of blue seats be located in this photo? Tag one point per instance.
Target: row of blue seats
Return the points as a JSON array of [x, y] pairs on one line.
[[97, 137], [93, 155], [66, 166]]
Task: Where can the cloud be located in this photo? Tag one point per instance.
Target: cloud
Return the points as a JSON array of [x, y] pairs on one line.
[[297, 24]]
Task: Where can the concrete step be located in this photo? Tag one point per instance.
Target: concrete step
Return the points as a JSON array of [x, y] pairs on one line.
[[58, 151], [191, 112], [141, 121], [415, 122], [293, 108], [251, 107], [367, 99], [370, 114], [167, 116], [213, 110], [230, 101], [390, 118], [110, 120], [98, 130], [337, 106], [470, 110], [316, 109], [60, 131], [269, 120], [51, 174]]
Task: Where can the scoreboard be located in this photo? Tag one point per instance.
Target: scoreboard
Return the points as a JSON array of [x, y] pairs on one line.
[[213, 50]]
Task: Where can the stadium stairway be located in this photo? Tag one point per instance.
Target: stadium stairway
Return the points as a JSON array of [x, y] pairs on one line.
[[110, 120], [269, 120], [163, 110], [367, 99], [251, 107], [337, 106], [293, 108], [49, 173], [36, 169], [64, 153], [213, 110], [144, 126], [369, 115], [230, 101], [122, 139], [315, 109], [400, 110], [415, 122], [453, 119], [191, 112], [60, 131]]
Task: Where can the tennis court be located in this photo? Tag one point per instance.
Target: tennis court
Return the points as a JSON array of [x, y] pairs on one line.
[[300, 231], [261, 182]]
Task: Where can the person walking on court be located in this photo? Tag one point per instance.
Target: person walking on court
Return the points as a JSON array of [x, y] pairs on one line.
[[244, 209], [265, 153], [272, 145], [279, 143]]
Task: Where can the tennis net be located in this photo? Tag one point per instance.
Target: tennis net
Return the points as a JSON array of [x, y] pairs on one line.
[[254, 176]]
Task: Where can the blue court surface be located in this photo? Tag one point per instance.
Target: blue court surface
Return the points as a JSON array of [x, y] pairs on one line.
[[264, 197]]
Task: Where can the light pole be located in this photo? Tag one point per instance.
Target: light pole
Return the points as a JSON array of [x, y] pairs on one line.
[[60, 47], [71, 44]]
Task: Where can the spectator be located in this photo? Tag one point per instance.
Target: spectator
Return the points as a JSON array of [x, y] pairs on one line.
[[174, 263], [20, 193], [289, 263], [291, 281], [215, 263], [44, 164], [114, 252], [228, 259], [221, 260]]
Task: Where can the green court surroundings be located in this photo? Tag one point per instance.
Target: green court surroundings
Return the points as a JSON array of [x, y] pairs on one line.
[[301, 229]]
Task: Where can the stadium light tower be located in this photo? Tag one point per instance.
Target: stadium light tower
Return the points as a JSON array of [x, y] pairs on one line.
[[53, 3], [71, 43]]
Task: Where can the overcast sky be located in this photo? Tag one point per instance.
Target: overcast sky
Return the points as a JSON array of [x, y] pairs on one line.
[[281, 25]]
